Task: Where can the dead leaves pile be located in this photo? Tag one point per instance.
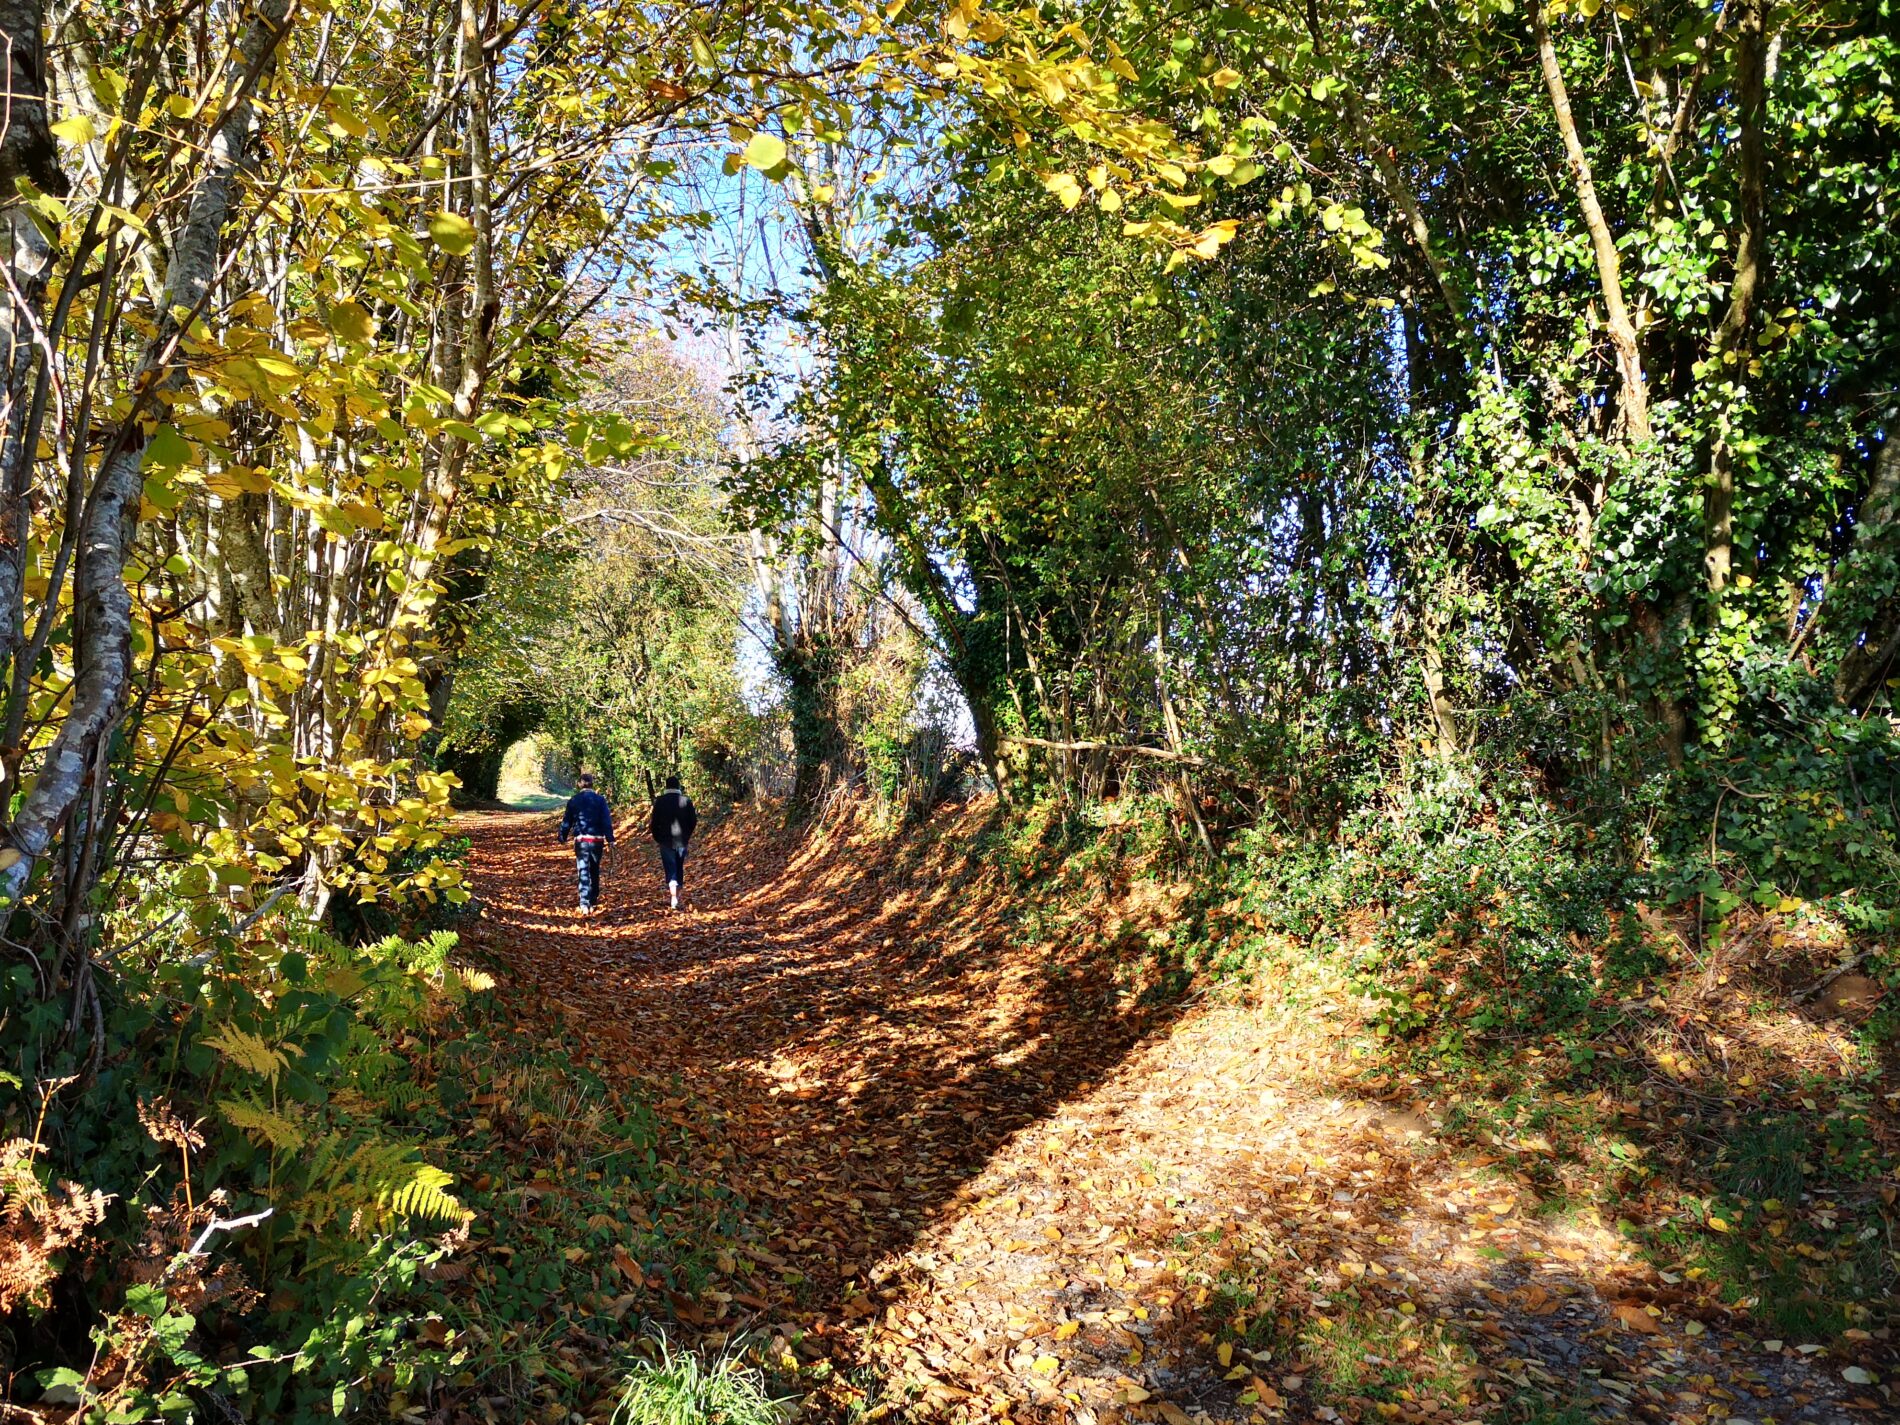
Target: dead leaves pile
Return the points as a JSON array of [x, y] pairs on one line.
[[974, 1181]]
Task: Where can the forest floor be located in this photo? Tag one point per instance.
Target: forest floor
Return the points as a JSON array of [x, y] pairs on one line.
[[978, 1179]]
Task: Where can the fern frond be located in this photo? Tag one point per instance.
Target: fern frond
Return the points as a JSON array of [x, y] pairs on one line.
[[277, 1129], [374, 1184], [425, 1195], [477, 981], [402, 1094], [251, 1052]]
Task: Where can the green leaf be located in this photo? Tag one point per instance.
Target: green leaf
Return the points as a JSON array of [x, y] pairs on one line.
[[167, 450], [172, 1330]]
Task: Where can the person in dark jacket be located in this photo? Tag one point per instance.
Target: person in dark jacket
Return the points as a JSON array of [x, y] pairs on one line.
[[591, 824], [672, 827]]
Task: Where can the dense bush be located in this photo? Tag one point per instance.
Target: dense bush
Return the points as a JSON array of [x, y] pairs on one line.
[[258, 1075]]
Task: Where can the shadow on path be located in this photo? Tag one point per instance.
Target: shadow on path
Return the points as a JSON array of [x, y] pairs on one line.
[[861, 1072], [1211, 1223]]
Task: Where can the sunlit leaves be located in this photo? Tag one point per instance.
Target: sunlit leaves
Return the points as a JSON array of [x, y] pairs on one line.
[[1067, 191], [351, 321], [765, 151], [452, 232]]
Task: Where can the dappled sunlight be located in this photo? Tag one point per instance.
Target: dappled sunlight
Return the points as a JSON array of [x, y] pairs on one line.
[[984, 1175]]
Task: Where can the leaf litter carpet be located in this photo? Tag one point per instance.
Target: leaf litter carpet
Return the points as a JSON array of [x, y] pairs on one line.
[[989, 1180]]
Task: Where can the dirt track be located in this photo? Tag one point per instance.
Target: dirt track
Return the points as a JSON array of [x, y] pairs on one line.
[[984, 1179]]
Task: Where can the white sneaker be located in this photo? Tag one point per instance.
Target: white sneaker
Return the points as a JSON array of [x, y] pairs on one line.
[[673, 890]]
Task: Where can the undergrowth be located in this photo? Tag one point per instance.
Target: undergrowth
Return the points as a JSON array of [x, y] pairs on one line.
[[389, 1192], [677, 1388], [1680, 1015]]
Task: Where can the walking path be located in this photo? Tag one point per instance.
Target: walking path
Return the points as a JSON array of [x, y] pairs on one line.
[[990, 1182]]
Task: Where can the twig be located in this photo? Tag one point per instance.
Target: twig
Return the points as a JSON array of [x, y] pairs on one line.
[[1161, 754], [226, 1224], [1831, 976]]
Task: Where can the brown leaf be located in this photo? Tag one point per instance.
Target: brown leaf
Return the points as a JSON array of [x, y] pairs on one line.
[[1635, 1318], [629, 1268]]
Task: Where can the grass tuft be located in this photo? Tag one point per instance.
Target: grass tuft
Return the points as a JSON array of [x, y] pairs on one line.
[[681, 1389]]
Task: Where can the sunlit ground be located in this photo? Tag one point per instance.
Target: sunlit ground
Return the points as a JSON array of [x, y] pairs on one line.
[[529, 779]]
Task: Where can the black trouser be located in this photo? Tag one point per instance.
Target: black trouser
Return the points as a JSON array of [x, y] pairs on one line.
[[587, 851], [673, 862]]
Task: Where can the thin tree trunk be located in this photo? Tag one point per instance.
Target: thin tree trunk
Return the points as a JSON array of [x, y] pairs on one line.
[[1184, 784], [26, 154], [1751, 264], [102, 604], [1869, 658], [1633, 398]]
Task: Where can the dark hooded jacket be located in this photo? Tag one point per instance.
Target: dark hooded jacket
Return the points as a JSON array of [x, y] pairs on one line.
[[673, 817]]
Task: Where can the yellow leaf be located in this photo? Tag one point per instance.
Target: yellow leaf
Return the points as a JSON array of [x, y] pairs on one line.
[[765, 151], [76, 130], [352, 322], [1214, 237], [1065, 187], [1067, 1329], [1046, 1365], [452, 232]]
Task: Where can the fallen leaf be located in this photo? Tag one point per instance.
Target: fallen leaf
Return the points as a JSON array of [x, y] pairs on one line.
[[1635, 1318]]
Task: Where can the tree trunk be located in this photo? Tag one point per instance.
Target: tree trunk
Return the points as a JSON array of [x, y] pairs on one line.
[[1874, 646], [810, 670], [26, 154], [102, 603], [1633, 396], [1751, 265]]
